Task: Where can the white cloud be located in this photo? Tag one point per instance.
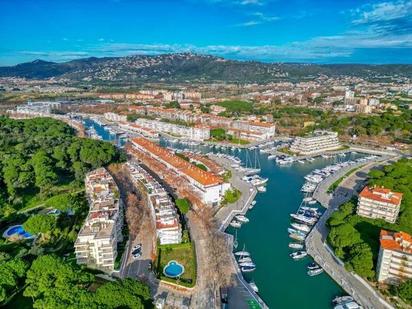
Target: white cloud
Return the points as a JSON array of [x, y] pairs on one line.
[[258, 18], [384, 11]]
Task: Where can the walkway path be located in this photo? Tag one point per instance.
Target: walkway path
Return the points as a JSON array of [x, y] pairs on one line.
[[316, 240]]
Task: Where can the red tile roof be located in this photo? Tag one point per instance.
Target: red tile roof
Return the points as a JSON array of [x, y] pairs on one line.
[[203, 177], [396, 241], [381, 194]]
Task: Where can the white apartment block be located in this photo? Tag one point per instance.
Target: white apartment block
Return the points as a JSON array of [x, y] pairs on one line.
[[37, 108], [319, 142], [115, 117], [395, 257], [196, 133], [96, 243], [164, 214], [379, 203]]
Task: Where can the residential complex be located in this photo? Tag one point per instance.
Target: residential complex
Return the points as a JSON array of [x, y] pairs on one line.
[[208, 186], [320, 141], [395, 257], [164, 214], [96, 244], [36, 108], [196, 133], [379, 203]]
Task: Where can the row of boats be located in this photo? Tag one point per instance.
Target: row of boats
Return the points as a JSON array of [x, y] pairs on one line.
[[245, 261]]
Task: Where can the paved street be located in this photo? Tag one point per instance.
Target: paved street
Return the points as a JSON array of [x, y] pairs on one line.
[[316, 240]]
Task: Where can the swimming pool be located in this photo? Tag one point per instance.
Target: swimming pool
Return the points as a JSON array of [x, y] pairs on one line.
[[173, 269], [17, 230]]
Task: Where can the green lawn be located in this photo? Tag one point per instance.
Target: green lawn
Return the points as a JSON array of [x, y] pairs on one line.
[[183, 254]]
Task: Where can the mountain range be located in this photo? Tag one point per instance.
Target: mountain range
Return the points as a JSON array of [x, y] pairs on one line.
[[188, 67]]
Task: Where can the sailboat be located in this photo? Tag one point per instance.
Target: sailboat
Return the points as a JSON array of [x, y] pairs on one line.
[[252, 168]]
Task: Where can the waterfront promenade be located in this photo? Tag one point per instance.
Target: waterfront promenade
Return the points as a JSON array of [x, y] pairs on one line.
[[240, 292], [316, 241]]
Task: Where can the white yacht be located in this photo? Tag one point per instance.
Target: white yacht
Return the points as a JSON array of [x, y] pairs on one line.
[[235, 224], [242, 219]]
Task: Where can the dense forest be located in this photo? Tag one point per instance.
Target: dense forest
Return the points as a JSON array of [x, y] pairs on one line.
[[42, 168], [355, 239]]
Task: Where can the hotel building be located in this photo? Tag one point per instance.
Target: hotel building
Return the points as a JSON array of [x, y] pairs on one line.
[[163, 210], [379, 203], [319, 142], [208, 186], [96, 244], [395, 257]]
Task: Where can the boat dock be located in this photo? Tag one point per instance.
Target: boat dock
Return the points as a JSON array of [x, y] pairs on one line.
[[242, 294]]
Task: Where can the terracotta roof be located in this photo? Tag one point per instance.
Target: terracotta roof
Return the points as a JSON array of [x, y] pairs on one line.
[[397, 241], [203, 177], [381, 194], [261, 124]]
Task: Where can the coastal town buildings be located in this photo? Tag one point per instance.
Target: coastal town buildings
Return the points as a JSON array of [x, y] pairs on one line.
[[320, 141], [115, 117], [379, 203], [208, 186], [37, 108], [196, 132], [163, 210], [96, 243], [395, 257]]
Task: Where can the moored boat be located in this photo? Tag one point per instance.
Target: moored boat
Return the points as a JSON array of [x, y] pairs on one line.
[[247, 269], [235, 224], [294, 245], [301, 227], [254, 287], [242, 219], [315, 272], [242, 253], [342, 299], [298, 255], [297, 237]]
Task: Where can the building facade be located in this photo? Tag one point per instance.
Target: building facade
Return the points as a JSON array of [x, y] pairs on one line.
[[395, 257], [96, 243], [379, 203], [320, 141]]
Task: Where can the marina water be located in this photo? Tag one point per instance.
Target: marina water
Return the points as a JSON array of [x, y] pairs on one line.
[[282, 282]]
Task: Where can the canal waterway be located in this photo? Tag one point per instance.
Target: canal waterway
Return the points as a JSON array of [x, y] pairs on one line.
[[282, 282]]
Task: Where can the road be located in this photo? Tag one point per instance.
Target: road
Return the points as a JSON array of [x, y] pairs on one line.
[[316, 240]]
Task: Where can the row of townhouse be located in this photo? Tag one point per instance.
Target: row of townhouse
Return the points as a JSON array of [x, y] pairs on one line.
[[319, 141], [96, 243], [208, 186], [164, 214]]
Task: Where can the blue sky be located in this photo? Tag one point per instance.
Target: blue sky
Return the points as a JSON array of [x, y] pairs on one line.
[[322, 31]]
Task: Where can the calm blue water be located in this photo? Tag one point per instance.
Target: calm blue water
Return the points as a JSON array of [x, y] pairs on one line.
[[282, 282], [173, 269], [18, 229]]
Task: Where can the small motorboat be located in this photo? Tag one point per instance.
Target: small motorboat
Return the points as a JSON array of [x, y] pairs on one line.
[[254, 287], [315, 272], [301, 227], [313, 266], [342, 299], [297, 237], [254, 203], [295, 245], [242, 253], [312, 202], [247, 269], [245, 259], [261, 189], [247, 264], [235, 224], [298, 255], [293, 231], [348, 305], [242, 219]]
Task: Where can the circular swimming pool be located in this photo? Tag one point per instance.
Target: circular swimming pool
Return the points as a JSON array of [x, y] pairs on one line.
[[173, 269], [17, 230]]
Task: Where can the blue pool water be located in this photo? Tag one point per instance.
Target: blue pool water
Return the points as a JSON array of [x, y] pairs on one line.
[[173, 269], [17, 229]]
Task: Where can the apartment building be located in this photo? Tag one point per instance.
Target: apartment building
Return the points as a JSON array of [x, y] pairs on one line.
[[115, 117], [320, 141], [96, 243], [37, 108], [208, 186], [196, 133], [379, 203], [395, 257], [164, 213]]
